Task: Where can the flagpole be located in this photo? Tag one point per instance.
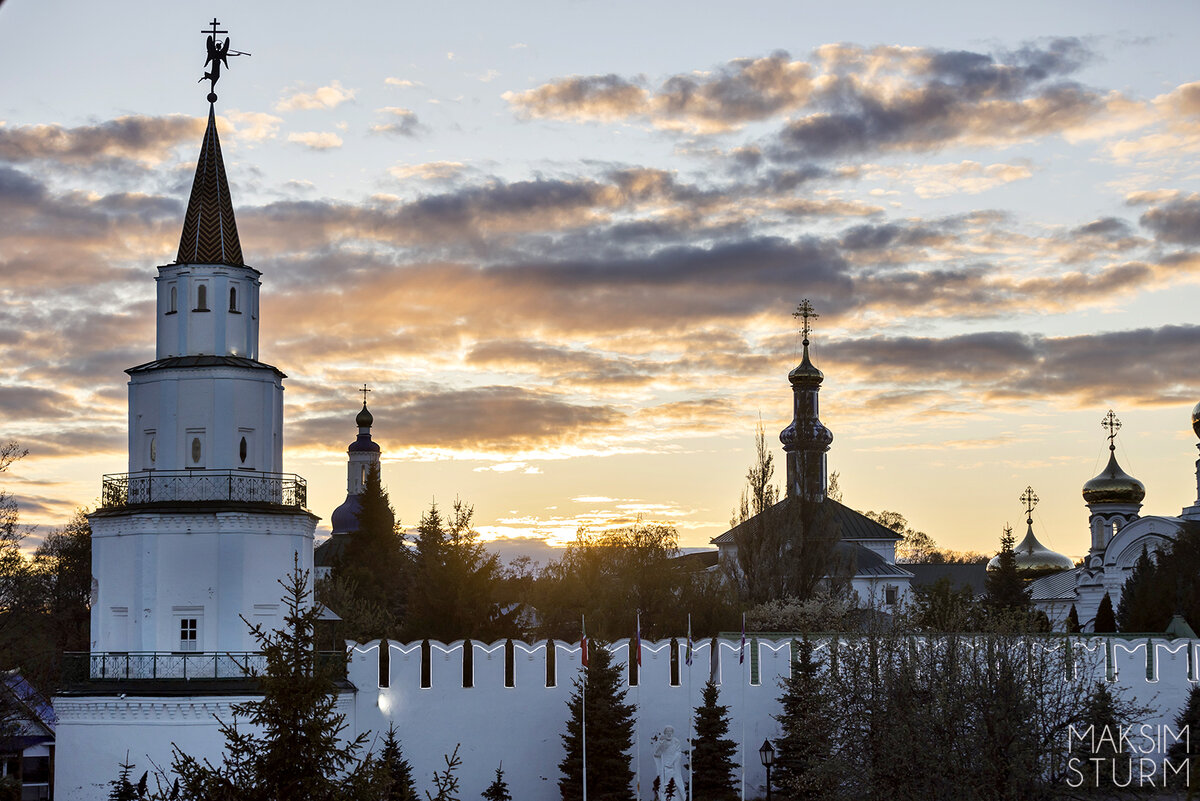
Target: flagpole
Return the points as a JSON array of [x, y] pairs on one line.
[[742, 662], [583, 658], [691, 719], [638, 701]]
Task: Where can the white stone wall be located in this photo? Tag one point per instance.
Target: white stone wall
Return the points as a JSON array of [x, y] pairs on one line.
[[522, 725]]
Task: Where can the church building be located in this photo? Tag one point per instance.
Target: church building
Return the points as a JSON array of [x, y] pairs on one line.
[[1118, 533], [866, 549]]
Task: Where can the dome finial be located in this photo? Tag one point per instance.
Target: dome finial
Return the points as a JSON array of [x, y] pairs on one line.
[[805, 312], [1113, 425], [364, 418], [1030, 499]]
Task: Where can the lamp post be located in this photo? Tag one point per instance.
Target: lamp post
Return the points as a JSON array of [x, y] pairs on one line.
[[767, 755]]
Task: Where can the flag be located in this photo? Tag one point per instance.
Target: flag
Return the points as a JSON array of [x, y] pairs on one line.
[[583, 647], [688, 659], [637, 639], [742, 649]]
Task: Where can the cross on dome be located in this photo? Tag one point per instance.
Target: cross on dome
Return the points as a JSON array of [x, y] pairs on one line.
[[1113, 425], [805, 312], [1030, 499], [218, 53], [364, 392]]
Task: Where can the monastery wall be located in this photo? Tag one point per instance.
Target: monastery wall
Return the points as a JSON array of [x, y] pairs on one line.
[[515, 707]]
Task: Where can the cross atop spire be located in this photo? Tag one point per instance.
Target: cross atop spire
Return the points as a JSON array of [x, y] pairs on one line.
[[218, 54], [1113, 425], [1030, 499], [364, 392], [805, 312]]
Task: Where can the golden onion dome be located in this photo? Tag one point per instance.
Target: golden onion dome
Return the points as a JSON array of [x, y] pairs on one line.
[[805, 372], [1196, 419], [1033, 557], [1114, 485]]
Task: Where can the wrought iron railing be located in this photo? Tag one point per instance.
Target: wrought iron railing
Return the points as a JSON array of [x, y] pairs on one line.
[[170, 666], [189, 486]]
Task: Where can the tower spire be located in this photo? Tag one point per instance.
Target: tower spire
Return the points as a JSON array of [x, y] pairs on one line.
[[209, 229], [806, 440]]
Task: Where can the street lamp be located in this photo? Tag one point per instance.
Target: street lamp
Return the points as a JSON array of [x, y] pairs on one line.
[[767, 755]]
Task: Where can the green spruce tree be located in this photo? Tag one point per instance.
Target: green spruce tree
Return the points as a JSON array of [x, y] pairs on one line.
[[1006, 595], [804, 764], [293, 747], [712, 751], [125, 790], [371, 578], [1106, 621], [600, 692], [1073, 620], [498, 789], [456, 583], [1146, 599], [1188, 745], [1099, 720], [446, 782], [397, 776]]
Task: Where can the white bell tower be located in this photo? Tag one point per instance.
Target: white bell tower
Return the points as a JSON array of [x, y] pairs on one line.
[[193, 538]]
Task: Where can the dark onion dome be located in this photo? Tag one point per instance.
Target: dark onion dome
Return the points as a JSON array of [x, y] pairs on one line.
[[364, 418], [805, 372], [345, 517], [1196, 419], [1033, 557], [1113, 485]]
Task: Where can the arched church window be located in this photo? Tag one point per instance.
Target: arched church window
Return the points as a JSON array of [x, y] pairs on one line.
[[153, 450], [197, 451], [363, 477], [202, 298], [233, 299], [174, 300], [243, 450]]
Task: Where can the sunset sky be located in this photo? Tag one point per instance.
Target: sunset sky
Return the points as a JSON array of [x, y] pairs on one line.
[[561, 241]]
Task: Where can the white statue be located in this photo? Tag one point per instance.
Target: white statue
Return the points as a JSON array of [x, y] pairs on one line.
[[669, 758]]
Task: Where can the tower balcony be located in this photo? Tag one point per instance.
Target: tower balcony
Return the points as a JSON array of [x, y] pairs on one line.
[[173, 487]]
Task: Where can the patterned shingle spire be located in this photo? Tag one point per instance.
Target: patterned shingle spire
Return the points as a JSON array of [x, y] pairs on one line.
[[209, 230]]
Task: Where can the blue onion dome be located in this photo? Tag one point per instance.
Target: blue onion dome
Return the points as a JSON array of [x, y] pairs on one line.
[[364, 418], [1114, 485], [345, 517]]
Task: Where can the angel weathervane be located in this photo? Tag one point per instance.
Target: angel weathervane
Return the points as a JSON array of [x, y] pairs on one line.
[[217, 53]]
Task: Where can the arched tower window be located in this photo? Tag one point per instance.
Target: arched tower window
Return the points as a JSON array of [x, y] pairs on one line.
[[202, 298], [233, 299], [174, 300]]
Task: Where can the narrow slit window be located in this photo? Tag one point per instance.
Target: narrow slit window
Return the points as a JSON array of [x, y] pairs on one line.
[[551, 664], [426, 665], [174, 301], [202, 298], [468, 664], [233, 299], [243, 450], [714, 661], [633, 666], [510, 664], [385, 664], [674, 662]]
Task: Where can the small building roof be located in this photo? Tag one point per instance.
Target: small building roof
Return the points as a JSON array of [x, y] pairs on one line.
[[853, 525]]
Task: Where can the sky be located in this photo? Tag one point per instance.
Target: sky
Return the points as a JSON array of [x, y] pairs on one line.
[[562, 242]]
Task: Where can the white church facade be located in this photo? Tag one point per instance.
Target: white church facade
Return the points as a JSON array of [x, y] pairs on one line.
[[1117, 534]]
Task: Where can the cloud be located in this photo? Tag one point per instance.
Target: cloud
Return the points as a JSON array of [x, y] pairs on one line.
[[1176, 221], [403, 83], [432, 171], [1177, 128], [939, 180], [149, 140], [403, 122], [490, 419], [1014, 366], [254, 126], [314, 140], [323, 97]]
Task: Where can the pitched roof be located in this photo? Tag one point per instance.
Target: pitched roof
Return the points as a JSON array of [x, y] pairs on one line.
[[972, 575], [1057, 587], [853, 525], [209, 230]]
